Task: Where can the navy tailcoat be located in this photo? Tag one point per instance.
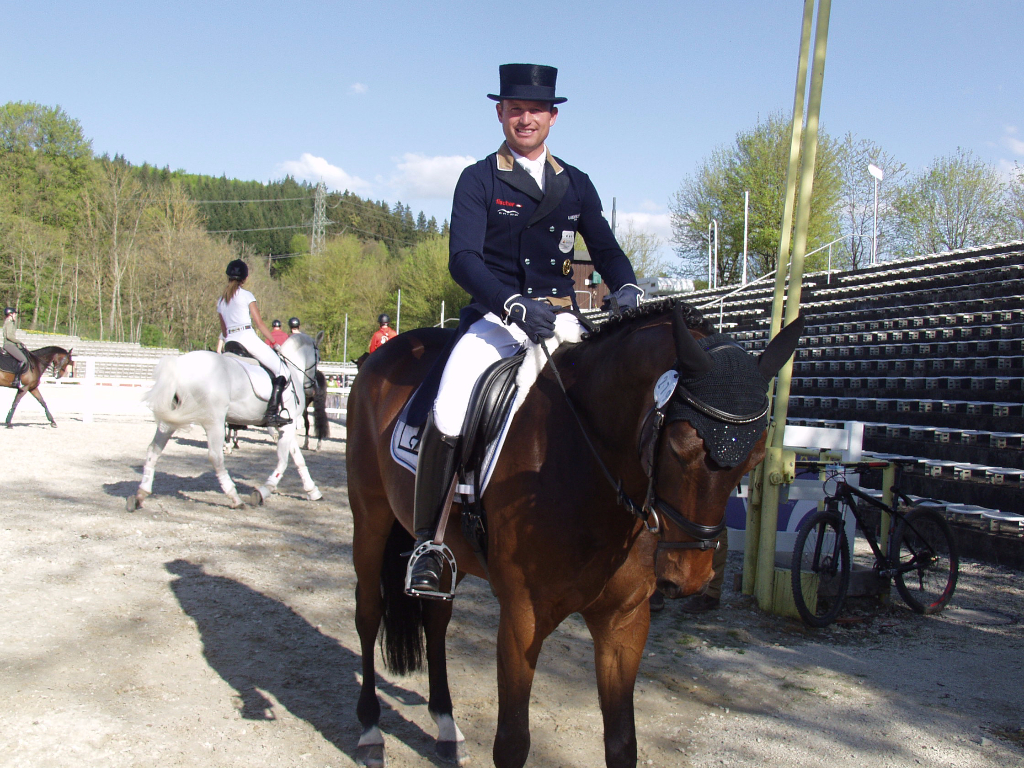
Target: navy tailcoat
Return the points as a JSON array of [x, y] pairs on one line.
[[507, 237]]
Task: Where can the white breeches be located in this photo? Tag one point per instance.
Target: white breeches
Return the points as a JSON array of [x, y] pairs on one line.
[[259, 349], [484, 343]]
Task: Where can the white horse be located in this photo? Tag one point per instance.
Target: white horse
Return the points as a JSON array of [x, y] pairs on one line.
[[210, 390]]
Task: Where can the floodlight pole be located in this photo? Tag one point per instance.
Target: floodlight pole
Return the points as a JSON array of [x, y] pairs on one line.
[[713, 260], [878, 174], [746, 221]]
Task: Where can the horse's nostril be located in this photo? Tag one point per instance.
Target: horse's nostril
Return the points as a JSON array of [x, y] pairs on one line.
[[669, 589]]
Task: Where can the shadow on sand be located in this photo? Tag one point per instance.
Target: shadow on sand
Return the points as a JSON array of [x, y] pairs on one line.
[[257, 644]]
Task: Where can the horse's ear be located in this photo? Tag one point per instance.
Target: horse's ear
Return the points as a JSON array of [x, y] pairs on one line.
[[781, 348], [691, 360], [319, 338]]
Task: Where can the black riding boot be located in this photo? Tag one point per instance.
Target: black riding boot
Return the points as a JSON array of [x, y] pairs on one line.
[[17, 375], [434, 472], [274, 417]]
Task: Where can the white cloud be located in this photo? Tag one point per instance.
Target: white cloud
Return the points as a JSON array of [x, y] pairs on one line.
[[1011, 141], [421, 177], [314, 169], [658, 224], [358, 88]]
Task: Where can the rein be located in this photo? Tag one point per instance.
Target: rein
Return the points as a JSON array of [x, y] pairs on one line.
[[705, 535]]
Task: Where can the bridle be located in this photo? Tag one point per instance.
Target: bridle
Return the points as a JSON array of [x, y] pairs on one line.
[[654, 506]]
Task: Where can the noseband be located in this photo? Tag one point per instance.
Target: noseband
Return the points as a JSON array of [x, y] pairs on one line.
[[654, 507]]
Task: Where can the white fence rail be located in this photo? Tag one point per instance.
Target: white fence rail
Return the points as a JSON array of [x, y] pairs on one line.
[[90, 395]]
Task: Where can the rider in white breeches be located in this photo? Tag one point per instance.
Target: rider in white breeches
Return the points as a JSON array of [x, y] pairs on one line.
[[238, 316]]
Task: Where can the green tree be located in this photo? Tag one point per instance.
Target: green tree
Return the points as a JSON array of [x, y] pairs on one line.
[[755, 162], [1015, 204], [350, 277], [958, 202], [426, 282], [45, 162]]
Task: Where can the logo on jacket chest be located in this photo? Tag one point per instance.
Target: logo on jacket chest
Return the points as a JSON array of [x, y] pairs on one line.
[[507, 211]]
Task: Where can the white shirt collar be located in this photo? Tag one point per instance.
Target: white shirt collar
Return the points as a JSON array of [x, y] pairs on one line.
[[534, 167]]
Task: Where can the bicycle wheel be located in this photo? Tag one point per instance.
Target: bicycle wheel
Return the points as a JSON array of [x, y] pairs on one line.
[[926, 560], [820, 569]]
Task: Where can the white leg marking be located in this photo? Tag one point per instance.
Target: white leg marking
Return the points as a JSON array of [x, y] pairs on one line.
[[370, 737]]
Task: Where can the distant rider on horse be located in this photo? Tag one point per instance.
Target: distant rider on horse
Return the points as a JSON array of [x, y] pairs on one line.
[[238, 314], [9, 343], [515, 216]]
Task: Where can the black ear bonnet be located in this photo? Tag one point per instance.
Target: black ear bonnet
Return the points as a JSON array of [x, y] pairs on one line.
[[734, 389]]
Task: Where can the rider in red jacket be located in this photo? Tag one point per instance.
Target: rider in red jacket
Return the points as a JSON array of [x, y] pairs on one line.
[[385, 333]]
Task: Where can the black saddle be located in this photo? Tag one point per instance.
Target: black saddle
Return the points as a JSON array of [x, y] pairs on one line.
[[492, 398], [9, 363], [234, 348], [237, 349]]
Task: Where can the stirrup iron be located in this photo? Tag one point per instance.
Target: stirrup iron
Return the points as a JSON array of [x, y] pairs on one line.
[[447, 556]]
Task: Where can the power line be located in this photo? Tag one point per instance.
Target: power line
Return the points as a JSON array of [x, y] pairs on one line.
[[260, 200], [257, 229]]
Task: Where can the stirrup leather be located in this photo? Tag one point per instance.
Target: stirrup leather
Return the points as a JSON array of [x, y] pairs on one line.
[[447, 556]]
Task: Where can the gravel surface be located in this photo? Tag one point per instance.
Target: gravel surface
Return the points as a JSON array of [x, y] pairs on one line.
[[191, 634]]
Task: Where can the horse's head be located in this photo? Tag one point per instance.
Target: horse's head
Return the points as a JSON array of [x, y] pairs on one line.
[[705, 432], [62, 363]]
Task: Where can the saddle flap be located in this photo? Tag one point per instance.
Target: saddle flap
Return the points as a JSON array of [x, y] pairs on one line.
[[488, 406], [9, 363]]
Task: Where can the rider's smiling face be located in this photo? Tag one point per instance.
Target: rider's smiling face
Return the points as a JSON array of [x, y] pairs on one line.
[[526, 125]]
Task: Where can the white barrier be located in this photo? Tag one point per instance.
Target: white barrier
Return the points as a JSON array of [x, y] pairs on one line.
[[90, 395]]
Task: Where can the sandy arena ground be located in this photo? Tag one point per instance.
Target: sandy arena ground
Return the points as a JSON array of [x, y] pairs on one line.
[[190, 634]]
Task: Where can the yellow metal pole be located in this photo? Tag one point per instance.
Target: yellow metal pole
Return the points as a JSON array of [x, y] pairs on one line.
[[755, 500], [775, 472]]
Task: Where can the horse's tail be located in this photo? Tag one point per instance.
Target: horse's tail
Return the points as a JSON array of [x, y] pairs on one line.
[[401, 643], [169, 403], [320, 420]]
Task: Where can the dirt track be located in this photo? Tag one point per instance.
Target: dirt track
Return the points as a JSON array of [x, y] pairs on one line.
[[189, 634]]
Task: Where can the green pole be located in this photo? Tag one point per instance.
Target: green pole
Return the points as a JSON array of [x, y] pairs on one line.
[[773, 473], [755, 500]]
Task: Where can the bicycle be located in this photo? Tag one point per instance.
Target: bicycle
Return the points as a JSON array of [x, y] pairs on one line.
[[921, 555]]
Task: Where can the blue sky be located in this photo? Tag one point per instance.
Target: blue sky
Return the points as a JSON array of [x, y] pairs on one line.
[[388, 98]]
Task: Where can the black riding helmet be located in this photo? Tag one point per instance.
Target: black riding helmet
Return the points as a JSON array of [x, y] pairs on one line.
[[237, 270], [9, 311], [383, 320], [293, 323], [276, 324]]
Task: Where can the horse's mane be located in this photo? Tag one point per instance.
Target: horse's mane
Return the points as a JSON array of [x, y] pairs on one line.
[[43, 351], [630, 319]]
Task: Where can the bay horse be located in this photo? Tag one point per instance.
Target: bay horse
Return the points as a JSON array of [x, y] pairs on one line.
[[211, 390], [559, 539], [39, 360]]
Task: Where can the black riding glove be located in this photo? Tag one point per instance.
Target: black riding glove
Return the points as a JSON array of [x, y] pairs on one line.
[[627, 297], [535, 317]]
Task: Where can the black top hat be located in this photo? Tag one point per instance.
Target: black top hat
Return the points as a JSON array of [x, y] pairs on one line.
[[528, 82]]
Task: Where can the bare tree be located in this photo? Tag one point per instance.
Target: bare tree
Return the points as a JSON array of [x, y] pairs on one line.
[[858, 199]]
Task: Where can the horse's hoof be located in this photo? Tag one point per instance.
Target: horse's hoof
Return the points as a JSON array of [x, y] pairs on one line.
[[372, 756], [256, 498], [237, 504], [53, 424], [452, 752], [314, 495], [9, 425], [132, 503]]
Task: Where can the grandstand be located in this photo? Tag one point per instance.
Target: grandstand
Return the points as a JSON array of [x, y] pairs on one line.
[[928, 352], [138, 360]]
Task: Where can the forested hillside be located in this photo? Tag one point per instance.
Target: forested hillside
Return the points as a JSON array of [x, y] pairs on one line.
[[97, 247]]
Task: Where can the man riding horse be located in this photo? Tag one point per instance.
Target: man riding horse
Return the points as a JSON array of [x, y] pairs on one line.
[[515, 216], [9, 343]]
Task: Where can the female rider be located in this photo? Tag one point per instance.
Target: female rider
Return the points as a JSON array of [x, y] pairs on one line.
[[238, 314]]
